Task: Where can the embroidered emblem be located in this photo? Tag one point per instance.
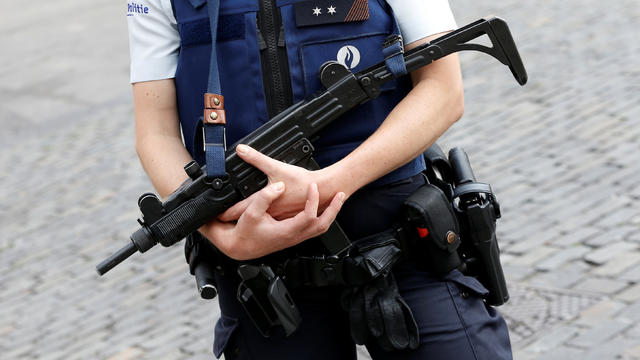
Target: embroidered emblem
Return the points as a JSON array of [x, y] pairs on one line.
[[348, 56], [359, 11], [319, 12]]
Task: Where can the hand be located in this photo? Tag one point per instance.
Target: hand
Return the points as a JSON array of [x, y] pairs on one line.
[[297, 180], [257, 233]]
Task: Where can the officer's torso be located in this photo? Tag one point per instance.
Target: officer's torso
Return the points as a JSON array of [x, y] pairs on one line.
[[269, 54]]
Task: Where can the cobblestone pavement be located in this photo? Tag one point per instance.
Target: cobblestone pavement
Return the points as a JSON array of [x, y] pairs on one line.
[[561, 154]]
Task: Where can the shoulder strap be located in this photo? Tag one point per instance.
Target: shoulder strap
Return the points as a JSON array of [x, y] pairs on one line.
[[214, 119], [393, 49]]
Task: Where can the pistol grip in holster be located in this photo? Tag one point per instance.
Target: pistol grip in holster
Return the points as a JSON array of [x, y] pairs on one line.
[[438, 170]]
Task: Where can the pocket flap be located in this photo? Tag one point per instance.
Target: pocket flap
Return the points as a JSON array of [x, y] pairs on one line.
[[320, 12], [225, 327], [467, 282]]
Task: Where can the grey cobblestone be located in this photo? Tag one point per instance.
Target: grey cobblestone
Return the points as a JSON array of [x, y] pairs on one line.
[[602, 286], [596, 313], [618, 264], [527, 242], [632, 353], [631, 294], [633, 332], [562, 353], [562, 257], [556, 279], [631, 274], [576, 236], [533, 257], [613, 235], [609, 252], [631, 312], [553, 339], [607, 350], [516, 273], [600, 333]]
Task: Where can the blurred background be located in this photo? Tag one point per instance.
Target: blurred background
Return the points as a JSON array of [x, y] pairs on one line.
[[561, 153]]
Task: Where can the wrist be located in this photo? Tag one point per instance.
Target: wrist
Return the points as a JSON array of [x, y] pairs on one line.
[[334, 179]]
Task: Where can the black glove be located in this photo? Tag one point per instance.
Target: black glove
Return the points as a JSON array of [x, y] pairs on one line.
[[373, 301], [376, 309]]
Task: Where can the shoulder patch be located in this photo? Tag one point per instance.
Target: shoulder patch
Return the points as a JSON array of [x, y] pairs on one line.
[[320, 12]]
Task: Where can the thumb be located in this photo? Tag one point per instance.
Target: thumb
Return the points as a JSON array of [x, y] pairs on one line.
[[264, 163]]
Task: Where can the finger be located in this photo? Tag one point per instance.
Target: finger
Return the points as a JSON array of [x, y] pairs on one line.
[[264, 163], [313, 199], [306, 226], [296, 225], [219, 233], [331, 211], [234, 212], [263, 200]]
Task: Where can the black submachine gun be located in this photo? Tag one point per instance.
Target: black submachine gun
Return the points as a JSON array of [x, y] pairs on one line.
[[287, 137]]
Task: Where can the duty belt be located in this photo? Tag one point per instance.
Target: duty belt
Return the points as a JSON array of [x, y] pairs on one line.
[[350, 270]]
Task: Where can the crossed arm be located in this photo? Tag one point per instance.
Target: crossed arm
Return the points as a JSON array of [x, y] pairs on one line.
[[298, 204]]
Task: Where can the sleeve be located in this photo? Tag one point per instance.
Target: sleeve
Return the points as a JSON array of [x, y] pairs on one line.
[[421, 18], [154, 40]]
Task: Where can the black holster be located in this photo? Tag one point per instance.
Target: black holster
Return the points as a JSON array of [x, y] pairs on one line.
[[266, 299], [476, 210]]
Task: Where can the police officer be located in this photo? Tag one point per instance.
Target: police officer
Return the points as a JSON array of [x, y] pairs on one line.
[[269, 53]]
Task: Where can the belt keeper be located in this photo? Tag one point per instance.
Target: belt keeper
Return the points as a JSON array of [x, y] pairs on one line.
[[213, 101], [392, 46], [215, 117]]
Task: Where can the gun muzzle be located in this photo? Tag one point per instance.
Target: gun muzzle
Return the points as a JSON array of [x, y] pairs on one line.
[[116, 258], [205, 280]]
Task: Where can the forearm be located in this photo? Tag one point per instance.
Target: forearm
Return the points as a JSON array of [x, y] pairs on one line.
[[158, 141], [163, 160], [433, 105]]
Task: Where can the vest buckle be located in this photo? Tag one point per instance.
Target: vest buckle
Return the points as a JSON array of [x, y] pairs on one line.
[[393, 45]]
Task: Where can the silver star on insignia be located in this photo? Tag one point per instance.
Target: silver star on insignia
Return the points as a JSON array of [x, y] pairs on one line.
[[331, 9], [317, 11]]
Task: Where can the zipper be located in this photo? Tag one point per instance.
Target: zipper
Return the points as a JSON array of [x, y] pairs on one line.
[[276, 80]]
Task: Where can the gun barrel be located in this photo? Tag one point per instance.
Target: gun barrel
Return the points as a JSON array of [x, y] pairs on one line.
[[116, 258]]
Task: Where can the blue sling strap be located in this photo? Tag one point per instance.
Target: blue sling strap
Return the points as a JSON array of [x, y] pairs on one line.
[[214, 119], [393, 50]]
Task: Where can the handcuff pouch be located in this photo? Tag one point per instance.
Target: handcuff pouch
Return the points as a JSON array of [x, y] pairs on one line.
[[433, 229]]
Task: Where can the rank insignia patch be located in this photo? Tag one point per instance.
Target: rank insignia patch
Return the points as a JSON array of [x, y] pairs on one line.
[[319, 12]]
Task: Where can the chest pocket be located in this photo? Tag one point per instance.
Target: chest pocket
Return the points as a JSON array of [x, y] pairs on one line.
[[355, 44]]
